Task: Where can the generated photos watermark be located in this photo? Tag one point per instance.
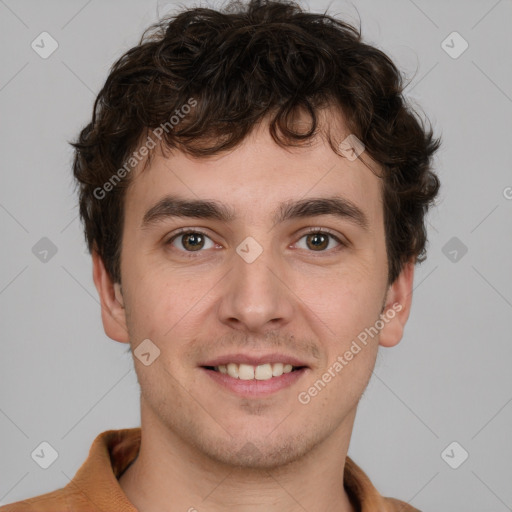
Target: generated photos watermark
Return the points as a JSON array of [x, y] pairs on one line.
[[341, 361], [150, 143]]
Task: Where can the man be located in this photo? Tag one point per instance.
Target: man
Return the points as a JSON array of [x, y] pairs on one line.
[[253, 190]]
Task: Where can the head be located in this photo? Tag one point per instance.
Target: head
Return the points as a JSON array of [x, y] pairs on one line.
[[236, 127]]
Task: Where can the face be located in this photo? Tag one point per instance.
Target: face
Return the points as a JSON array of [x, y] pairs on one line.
[[244, 286]]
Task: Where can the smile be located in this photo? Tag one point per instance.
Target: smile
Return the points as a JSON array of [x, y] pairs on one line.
[[255, 382], [264, 371]]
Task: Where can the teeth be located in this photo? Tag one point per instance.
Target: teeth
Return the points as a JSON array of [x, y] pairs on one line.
[[277, 369], [233, 370], [263, 372], [248, 372]]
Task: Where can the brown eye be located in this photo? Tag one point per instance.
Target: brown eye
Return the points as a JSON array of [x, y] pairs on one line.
[[318, 241], [190, 241], [193, 241]]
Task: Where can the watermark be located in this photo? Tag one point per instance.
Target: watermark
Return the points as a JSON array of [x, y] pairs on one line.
[[454, 45], [44, 45], [507, 193], [138, 155], [44, 455], [454, 249], [454, 455], [351, 147], [146, 352], [249, 249], [341, 361]]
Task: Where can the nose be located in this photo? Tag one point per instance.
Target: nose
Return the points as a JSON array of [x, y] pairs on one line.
[[255, 296]]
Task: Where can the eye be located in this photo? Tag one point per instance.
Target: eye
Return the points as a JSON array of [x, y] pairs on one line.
[[190, 241], [318, 240]]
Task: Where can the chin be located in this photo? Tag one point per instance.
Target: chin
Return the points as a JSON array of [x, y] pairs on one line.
[[256, 450]]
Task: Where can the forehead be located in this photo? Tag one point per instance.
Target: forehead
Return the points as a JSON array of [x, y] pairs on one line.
[[258, 176]]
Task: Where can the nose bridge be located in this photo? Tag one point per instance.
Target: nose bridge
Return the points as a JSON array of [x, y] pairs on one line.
[[254, 296]]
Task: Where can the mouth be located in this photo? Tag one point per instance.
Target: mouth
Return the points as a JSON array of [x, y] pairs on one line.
[[255, 377], [265, 371]]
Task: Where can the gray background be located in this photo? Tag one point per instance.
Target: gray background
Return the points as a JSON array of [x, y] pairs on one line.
[[63, 381]]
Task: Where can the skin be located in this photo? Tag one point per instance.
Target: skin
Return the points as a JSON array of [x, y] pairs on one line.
[[203, 446]]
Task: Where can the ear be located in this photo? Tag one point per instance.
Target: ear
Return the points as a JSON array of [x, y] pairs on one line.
[[397, 307], [113, 313]]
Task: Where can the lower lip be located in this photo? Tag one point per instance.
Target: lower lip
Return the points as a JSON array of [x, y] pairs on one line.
[[256, 388]]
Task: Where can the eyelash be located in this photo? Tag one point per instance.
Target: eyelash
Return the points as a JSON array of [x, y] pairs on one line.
[[310, 231]]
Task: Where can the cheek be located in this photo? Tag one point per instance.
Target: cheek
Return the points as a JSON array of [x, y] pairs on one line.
[[151, 309], [167, 307], [347, 300]]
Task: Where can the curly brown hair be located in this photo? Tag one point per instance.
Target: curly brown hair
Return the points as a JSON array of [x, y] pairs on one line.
[[264, 60]]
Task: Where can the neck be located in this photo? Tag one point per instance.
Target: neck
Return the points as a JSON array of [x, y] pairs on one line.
[[169, 471]]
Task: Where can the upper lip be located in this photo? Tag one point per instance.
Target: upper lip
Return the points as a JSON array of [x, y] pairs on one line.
[[254, 360]]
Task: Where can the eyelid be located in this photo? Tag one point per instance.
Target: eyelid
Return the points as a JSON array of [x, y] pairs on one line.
[[182, 231], [326, 231], [320, 230]]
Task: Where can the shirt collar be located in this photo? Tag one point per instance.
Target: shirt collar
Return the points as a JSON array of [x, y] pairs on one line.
[[113, 451]]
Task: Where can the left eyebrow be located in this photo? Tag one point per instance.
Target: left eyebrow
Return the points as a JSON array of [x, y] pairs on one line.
[[313, 207], [172, 206]]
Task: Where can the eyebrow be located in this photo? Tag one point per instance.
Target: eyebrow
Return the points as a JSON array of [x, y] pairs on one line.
[[172, 206]]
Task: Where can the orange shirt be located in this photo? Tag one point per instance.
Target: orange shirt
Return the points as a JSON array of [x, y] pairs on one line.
[[95, 487]]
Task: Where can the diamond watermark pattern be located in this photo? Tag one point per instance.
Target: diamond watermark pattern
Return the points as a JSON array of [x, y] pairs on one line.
[[44, 455], [44, 45], [454, 45], [351, 147], [454, 455], [454, 249], [249, 249], [44, 250], [146, 352], [249, 452]]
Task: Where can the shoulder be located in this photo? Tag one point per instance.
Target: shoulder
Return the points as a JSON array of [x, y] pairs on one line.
[[61, 500], [393, 505]]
